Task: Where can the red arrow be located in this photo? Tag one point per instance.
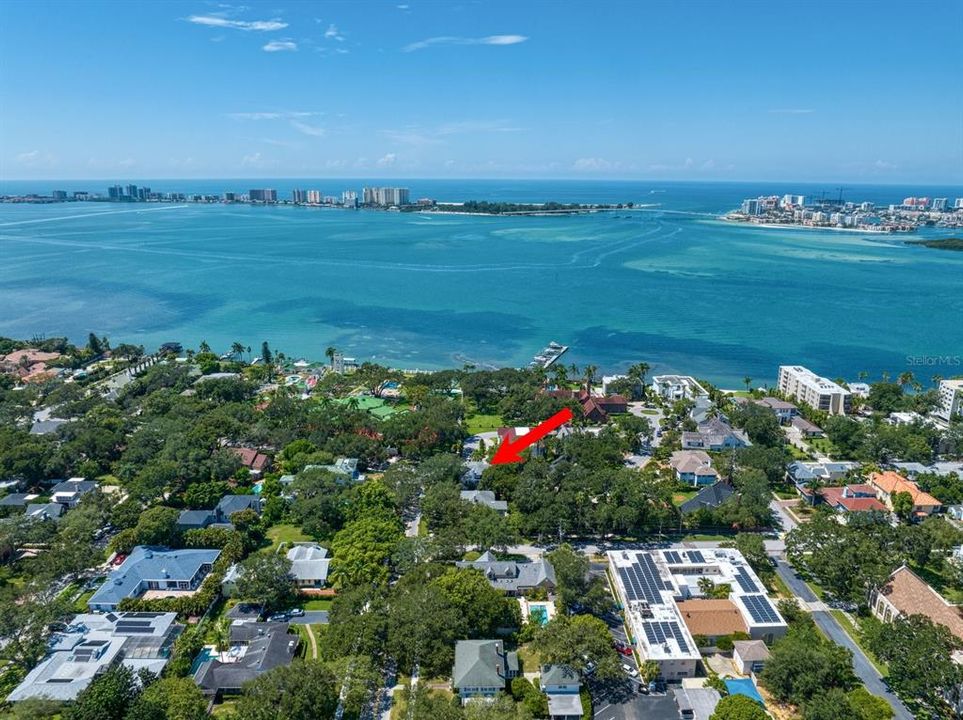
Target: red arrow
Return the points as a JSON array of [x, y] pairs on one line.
[[509, 452]]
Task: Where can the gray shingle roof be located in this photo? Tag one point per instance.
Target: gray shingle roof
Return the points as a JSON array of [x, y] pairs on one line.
[[709, 497], [559, 675], [150, 563], [482, 663], [309, 562], [484, 497], [513, 576], [259, 647], [230, 504]]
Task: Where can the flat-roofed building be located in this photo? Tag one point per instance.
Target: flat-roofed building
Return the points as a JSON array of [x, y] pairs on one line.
[[678, 387], [91, 644], [657, 587], [822, 394], [951, 400]]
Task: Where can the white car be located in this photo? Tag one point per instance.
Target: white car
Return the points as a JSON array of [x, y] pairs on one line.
[[630, 671]]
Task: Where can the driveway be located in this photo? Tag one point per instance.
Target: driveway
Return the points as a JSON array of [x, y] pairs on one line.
[[311, 617], [619, 701], [827, 623]]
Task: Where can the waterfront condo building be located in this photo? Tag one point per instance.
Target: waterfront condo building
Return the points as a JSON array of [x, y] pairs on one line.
[[951, 400], [265, 195], [819, 393], [385, 196], [314, 197], [298, 196]]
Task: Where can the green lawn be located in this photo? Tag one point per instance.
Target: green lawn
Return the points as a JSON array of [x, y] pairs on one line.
[[797, 453], [528, 658], [483, 423], [284, 534], [318, 604], [824, 445], [646, 411], [680, 497], [80, 604]]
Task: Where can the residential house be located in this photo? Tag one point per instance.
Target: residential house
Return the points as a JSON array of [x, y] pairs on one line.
[[514, 578], [309, 565], [153, 569], [220, 516], [561, 684], [708, 498], [804, 474], [69, 492], [806, 428], [254, 460], [195, 519], [693, 467], [92, 643], [889, 483], [714, 434], [482, 668], [946, 467], [905, 593], [677, 387], [749, 656], [255, 648], [45, 511], [711, 618], [784, 411], [851, 499], [473, 473], [485, 497], [19, 501], [345, 468]]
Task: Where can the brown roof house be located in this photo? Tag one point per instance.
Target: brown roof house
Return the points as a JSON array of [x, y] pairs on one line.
[[712, 618], [905, 593]]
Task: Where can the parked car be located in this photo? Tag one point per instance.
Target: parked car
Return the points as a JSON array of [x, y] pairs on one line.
[[630, 671], [296, 612], [279, 617]]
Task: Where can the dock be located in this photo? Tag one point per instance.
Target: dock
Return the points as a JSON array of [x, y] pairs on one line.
[[552, 352]]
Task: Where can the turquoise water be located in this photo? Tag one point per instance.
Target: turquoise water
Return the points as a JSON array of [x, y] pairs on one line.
[[538, 614], [672, 285]]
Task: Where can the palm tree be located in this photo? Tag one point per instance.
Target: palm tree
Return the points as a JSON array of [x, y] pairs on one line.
[[937, 379], [204, 347], [905, 378], [329, 353], [862, 375], [638, 372], [706, 586], [747, 381], [590, 371], [248, 352], [560, 373], [237, 350]]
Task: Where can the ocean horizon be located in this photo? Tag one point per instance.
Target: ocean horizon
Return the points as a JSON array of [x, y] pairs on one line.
[[670, 285]]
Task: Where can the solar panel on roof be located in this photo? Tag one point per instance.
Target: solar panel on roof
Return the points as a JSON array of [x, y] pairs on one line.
[[696, 556], [760, 608], [745, 581], [673, 557]]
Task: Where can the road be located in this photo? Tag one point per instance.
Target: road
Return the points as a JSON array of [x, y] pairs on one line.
[[827, 623]]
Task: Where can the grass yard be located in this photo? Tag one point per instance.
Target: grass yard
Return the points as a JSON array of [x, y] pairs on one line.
[[284, 534], [80, 604], [318, 604], [824, 445], [681, 497], [483, 423], [798, 453], [224, 709], [528, 659]]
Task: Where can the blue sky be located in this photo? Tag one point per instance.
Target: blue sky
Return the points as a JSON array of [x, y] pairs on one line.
[[849, 91]]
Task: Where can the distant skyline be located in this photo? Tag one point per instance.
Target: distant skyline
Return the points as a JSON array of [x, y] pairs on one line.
[[737, 91]]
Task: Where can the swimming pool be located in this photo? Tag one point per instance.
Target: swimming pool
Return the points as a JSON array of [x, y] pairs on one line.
[[744, 686], [202, 657], [538, 613]]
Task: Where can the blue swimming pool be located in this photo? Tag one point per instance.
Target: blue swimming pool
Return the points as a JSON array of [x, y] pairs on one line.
[[539, 614], [744, 686], [202, 657]]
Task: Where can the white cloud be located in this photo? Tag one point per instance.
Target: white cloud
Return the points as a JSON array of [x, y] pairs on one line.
[[280, 46], [127, 162], [252, 159], [792, 111], [594, 164], [332, 33], [388, 160], [417, 136], [454, 40], [308, 129], [271, 115], [709, 164], [334, 164], [885, 165], [28, 157], [402, 7], [245, 25]]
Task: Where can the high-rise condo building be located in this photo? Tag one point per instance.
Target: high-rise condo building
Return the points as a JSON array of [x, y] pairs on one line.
[[298, 196], [819, 393], [314, 197], [264, 195], [385, 196], [939, 204], [951, 399], [349, 198]]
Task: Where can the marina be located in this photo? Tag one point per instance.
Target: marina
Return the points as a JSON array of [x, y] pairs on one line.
[[552, 352]]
